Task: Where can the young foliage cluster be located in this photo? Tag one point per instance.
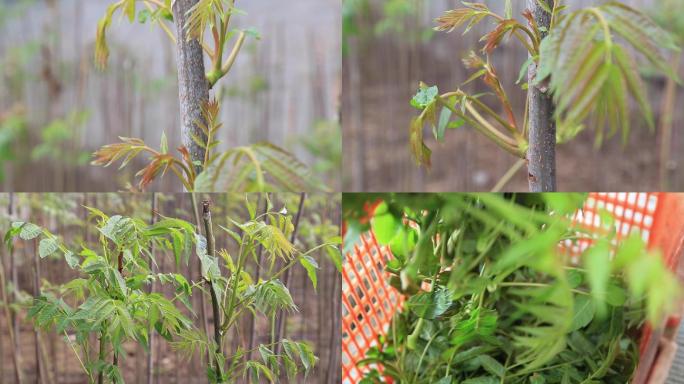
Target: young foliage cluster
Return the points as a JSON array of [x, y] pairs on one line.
[[586, 59], [206, 14], [491, 299], [110, 299], [112, 296], [258, 167]]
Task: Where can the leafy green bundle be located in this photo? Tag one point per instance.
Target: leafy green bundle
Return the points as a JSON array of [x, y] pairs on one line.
[[490, 299]]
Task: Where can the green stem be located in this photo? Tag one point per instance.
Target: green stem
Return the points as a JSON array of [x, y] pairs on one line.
[[233, 291], [233, 54], [541, 285], [296, 259], [606, 31], [66, 336], [209, 233], [102, 354], [484, 127], [508, 175], [273, 327]]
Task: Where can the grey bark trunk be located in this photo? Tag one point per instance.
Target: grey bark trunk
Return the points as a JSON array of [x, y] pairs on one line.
[[541, 155], [192, 82]]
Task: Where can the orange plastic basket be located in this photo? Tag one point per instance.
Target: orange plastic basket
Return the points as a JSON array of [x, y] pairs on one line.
[[369, 302]]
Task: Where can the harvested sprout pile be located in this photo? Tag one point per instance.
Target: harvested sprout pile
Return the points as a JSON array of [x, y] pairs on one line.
[[491, 299]]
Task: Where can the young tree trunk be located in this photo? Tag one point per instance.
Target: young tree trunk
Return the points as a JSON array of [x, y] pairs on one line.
[[36, 292], [13, 330], [153, 343], [14, 270], [192, 82], [541, 155], [209, 234]]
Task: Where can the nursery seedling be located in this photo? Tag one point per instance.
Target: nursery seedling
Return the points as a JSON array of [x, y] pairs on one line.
[[111, 297], [108, 298]]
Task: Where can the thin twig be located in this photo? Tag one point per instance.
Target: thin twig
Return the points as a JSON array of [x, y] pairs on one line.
[[8, 315], [508, 175]]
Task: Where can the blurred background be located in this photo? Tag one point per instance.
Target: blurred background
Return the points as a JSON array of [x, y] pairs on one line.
[[316, 322], [389, 46], [56, 108]]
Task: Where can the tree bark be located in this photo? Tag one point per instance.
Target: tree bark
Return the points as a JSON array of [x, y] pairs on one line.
[[192, 83], [541, 155]]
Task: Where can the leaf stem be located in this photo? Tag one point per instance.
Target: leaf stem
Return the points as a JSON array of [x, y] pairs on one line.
[[102, 353], [228, 64], [77, 355], [541, 285], [508, 175], [163, 26], [296, 259], [606, 32]]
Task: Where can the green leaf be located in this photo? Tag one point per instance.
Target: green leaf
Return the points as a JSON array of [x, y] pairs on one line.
[[616, 295], [164, 146], [130, 9], [492, 366], [257, 167], [424, 97], [311, 266], [252, 32], [421, 152], [508, 10], [47, 247], [335, 256], [584, 309], [545, 6], [71, 259], [209, 264], [29, 231], [256, 370], [525, 68], [270, 296], [430, 305], [598, 267], [302, 352], [385, 225], [144, 16], [444, 117]]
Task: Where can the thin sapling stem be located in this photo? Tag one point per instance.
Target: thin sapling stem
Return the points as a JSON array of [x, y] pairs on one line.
[[209, 233]]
